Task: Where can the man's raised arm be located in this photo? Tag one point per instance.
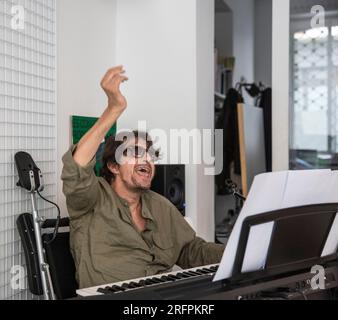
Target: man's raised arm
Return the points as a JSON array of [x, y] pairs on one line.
[[117, 103]]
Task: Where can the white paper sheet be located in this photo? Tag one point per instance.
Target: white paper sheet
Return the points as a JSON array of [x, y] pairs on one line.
[[306, 187], [273, 191], [331, 245], [331, 195], [255, 255]]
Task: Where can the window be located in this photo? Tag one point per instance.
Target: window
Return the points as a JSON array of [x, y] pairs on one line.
[[314, 97]]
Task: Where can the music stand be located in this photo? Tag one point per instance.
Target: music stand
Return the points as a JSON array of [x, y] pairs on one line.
[[297, 241]]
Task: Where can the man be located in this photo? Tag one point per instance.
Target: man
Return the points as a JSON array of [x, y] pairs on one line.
[[120, 229]]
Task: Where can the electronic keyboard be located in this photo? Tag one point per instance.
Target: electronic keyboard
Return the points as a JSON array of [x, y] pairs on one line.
[[176, 277], [197, 284]]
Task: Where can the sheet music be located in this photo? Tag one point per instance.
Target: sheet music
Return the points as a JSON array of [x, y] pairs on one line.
[[266, 194], [273, 191], [255, 256], [331, 245], [306, 187]]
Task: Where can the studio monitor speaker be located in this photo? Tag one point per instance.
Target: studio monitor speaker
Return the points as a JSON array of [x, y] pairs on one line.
[[169, 181]]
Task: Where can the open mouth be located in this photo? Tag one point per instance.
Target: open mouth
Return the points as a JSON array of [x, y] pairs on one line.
[[144, 171]]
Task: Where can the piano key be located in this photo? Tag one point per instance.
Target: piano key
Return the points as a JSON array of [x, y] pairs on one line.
[[181, 275], [119, 288], [112, 289], [142, 283], [149, 281], [133, 285], [191, 273], [157, 280], [199, 272], [103, 290], [172, 277], [164, 278], [188, 274], [202, 271]]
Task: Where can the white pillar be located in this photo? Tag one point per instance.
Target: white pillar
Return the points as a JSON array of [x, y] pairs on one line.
[[205, 200], [280, 84]]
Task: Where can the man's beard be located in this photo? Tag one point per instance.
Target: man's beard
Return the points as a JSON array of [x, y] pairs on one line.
[[135, 186]]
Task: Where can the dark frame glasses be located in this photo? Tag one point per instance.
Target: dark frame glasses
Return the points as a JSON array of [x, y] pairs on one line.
[[138, 152]]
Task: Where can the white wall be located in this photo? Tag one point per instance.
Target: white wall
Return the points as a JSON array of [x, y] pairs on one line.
[[246, 33], [243, 38], [86, 49], [263, 42], [280, 84], [156, 43], [170, 86], [224, 33]]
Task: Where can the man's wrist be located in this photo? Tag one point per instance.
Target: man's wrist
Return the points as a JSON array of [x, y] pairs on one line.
[[115, 110]]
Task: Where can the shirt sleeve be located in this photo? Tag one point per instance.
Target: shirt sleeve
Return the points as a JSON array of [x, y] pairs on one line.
[[194, 251], [80, 185], [198, 252]]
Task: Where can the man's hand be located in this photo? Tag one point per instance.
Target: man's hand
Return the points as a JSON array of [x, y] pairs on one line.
[[111, 85], [90, 142]]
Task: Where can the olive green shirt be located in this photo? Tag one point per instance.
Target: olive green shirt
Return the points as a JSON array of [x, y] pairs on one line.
[[105, 244]]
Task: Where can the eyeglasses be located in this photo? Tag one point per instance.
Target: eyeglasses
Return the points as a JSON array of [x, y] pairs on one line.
[[139, 152]]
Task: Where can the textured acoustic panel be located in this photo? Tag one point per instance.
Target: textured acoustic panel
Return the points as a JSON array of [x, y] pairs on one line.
[[27, 121]]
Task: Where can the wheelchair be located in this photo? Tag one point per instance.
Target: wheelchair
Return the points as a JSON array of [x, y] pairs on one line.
[[57, 256], [50, 265]]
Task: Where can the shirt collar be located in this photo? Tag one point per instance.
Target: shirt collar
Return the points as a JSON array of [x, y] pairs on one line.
[[145, 209], [123, 204]]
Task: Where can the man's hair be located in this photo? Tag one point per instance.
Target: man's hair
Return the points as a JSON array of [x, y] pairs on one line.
[[110, 155]]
